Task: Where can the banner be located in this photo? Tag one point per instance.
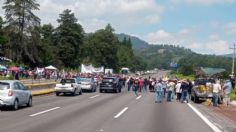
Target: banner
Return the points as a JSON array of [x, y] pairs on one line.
[[91, 69]]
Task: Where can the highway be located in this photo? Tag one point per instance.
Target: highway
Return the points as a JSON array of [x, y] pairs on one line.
[[102, 112]]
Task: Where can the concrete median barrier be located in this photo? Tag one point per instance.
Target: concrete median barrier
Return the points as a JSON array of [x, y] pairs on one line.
[[42, 88], [43, 91]]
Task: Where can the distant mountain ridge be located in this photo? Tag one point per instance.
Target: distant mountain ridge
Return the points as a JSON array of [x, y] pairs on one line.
[[137, 43]]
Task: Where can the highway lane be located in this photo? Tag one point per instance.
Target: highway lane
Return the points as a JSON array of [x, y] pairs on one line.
[[86, 114]]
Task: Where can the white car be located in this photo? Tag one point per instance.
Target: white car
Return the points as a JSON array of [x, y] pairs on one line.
[[68, 86]]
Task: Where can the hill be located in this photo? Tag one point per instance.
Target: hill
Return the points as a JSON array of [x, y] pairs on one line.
[[161, 56], [136, 42]]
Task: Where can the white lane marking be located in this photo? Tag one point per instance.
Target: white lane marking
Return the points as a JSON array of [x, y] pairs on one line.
[[140, 96], [213, 127], [122, 112], [39, 113], [94, 96]]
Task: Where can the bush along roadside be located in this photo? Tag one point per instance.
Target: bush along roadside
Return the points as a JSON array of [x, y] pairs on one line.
[[233, 95]]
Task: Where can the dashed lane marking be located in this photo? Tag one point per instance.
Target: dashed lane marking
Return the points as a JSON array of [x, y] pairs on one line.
[[94, 96], [121, 112], [140, 96], [42, 112]]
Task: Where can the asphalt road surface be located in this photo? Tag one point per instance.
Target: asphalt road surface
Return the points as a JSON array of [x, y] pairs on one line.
[[102, 112]]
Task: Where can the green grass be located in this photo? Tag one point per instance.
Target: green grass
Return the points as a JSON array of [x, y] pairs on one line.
[[181, 76], [6, 78], [233, 95]]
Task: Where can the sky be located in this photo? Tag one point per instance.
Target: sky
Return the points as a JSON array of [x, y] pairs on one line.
[[204, 26]]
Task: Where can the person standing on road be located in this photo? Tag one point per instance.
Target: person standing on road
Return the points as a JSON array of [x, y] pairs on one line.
[[158, 91], [178, 90], [136, 86], [140, 84], [184, 88], [227, 89], [170, 89], [145, 84], [216, 91], [190, 86]]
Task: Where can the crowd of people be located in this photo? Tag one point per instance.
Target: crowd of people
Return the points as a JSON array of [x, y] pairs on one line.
[[179, 90]]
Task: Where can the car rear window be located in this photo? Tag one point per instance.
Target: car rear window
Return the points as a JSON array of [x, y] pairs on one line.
[[85, 79], [204, 81], [108, 79], [4, 86], [67, 81]]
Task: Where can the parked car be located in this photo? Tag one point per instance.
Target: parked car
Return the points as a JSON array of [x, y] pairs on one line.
[[88, 84], [68, 86], [14, 94], [110, 84], [202, 89]]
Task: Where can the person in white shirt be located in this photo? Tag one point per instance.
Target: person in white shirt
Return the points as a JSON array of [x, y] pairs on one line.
[[178, 90], [216, 91]]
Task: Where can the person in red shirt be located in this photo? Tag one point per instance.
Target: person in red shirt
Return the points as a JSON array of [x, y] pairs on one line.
[[140, 84]]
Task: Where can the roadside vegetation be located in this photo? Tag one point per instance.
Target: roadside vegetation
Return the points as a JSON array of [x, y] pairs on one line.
[[24, 40], [233, 95]]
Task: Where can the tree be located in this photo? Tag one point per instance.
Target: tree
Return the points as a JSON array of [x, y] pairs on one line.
[[69, 36], [21, 23], [48, 51], [3, 39], [100, 48]]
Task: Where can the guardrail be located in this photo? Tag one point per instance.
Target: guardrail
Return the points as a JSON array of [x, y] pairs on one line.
[[41, 88], [37, 81]]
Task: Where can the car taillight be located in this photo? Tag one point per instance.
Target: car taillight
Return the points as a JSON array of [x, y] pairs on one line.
[[10, 93]]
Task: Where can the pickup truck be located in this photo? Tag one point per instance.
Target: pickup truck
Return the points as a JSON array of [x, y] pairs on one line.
[[202, 89]]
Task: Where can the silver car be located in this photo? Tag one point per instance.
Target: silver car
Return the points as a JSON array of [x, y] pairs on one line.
[[68, 86], [88, 84], [13, 93]]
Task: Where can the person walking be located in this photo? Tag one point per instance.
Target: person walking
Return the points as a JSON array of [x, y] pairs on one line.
[[140, 84], [145, 84], [136, 86], [190, 86], [227, 89], [158, 91], [216, 91], [184, 94], [170, 89], [178, 90]]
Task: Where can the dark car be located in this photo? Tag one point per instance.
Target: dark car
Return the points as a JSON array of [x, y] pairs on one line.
[[110, 84]]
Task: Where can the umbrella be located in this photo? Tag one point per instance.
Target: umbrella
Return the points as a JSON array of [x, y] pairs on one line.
[[14, 68], [50, 67], [21, 68], [3, 67]]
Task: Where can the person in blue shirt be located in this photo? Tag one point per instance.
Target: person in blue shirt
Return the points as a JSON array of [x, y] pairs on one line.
[[158, 91], [227, 89]]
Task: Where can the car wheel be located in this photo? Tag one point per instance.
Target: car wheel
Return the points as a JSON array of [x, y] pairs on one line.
[[80, 92], [15, 105], [195, 99], [57, 93], [74, 93], [30, 102], [117, 90]]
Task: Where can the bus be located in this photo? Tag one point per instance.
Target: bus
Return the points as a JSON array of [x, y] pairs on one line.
[[124, 71]]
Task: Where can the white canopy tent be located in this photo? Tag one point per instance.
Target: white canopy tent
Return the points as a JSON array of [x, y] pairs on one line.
[[50, 68]]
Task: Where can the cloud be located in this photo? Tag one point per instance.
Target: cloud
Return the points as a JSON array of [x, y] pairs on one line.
[[164, 37], [186, 38], [230, 28], [203, 2], [125, 13]]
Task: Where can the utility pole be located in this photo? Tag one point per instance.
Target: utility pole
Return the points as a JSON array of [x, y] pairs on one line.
[[234, 48]]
